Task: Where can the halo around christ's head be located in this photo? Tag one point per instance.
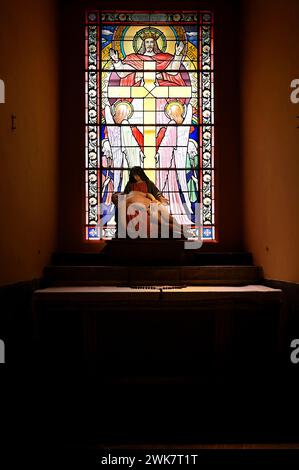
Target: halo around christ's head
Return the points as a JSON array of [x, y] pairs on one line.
[[130, 38], [127, 39], [149, 32]]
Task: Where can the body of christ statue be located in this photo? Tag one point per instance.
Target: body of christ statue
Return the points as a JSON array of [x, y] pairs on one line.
[[138, 218]]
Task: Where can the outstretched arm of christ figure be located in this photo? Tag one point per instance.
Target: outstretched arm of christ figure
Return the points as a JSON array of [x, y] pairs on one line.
[[174, 66], [118, 65]]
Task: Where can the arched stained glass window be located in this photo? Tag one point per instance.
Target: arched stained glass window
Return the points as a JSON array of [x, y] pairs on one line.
[[150, 103]]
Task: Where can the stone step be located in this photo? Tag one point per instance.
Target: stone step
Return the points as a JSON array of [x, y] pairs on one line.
[[150, 275], [114, 255]]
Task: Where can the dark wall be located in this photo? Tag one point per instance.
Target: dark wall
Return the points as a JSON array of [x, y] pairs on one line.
[[72, 153]]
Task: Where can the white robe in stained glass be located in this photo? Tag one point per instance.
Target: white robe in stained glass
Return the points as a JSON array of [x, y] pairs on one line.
[[171, 159], [125, 151]]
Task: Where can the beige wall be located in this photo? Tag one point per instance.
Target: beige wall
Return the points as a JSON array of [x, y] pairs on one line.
[[270, 139], [28, 155]]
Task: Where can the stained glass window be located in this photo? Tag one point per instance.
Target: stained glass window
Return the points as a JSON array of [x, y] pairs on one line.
[[150, 103]]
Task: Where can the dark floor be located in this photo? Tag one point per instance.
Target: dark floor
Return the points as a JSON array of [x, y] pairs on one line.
[[59, 411]]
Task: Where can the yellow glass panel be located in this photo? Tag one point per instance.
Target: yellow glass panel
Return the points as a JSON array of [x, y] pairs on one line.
[[160, 92], [149, 117], [180, 92], [119, 92], [150, 104], [138, 92]]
